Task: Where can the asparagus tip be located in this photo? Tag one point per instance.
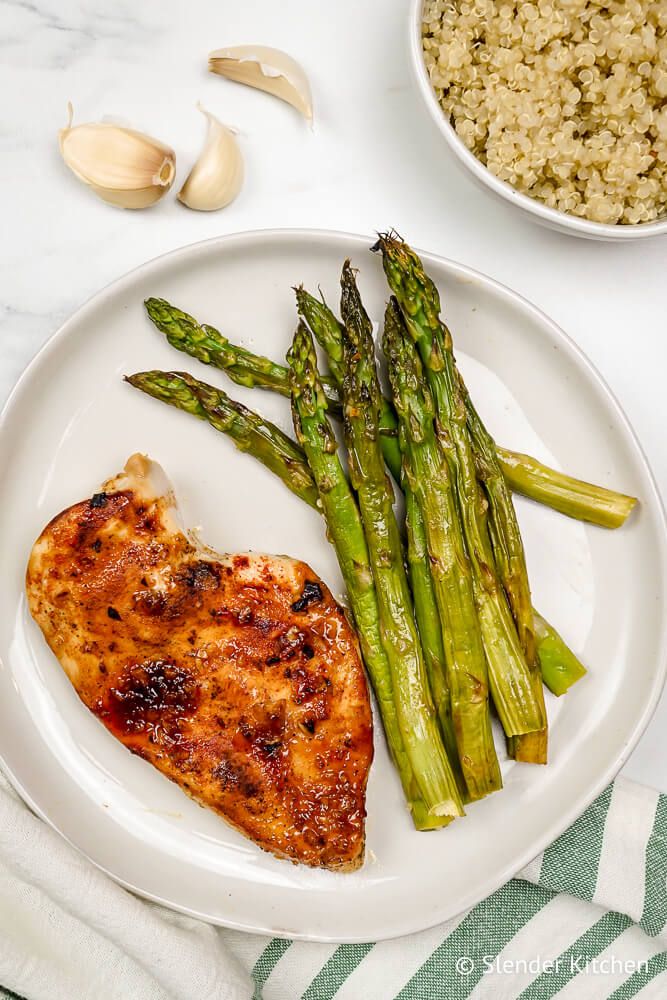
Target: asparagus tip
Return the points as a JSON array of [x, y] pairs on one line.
[[383, 239]]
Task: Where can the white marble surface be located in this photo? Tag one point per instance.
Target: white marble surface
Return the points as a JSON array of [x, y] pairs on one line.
[[374, 160]]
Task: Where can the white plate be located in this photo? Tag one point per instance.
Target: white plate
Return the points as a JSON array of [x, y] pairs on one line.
[[71, 423]]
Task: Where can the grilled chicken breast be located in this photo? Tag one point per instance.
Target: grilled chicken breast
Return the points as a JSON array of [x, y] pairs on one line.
[[238, 677]]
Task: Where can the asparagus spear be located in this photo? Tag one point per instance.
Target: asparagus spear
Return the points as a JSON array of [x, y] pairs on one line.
[[326, 329], [208, 345], [503, 527], [504, 531], [430, 631], [573, 497], [519, 709], [329, 334], [510, 560], [524, 474], [250, 432], [451, 572], [560, 667], [412, 696], [346, 533]]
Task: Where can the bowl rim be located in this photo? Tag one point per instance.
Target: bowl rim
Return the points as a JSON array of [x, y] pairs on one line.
[[550, 216]]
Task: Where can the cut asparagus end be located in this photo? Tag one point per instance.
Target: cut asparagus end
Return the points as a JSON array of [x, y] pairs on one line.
[[560, 667], [529, 748], [573, 497]]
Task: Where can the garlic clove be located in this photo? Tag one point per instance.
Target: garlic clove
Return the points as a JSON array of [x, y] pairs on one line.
[[266, 69], [217, 176], [123, 167]]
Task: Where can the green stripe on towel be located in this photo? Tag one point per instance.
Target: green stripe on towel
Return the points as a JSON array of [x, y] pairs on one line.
[[571, 863], [656, 966], [266, 963], [480, 936], [571, 961], [340, 967], [654, 917]]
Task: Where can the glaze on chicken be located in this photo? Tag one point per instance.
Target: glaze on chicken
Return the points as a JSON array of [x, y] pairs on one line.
[[238, 677]]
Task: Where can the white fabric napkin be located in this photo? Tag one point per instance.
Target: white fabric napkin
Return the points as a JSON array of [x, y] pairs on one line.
[[67, 932]]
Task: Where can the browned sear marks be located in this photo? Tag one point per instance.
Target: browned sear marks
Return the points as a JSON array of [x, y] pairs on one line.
[[236, 676], [149, 694]]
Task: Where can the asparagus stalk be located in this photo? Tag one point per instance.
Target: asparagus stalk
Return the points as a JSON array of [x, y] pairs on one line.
[[503, 527], [573, 497], [208, 345], [505, 537], [524, 474], [412, 695], [506, 541], [430, 480], [249, 432], [519, 710], [510, 560], [345, 530], [559, 666], [326, 329], [429, 628], [329, 334]]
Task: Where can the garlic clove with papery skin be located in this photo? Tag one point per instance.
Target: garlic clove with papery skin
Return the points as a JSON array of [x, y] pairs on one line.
[[124, 167], [217, 176], [268, 69]]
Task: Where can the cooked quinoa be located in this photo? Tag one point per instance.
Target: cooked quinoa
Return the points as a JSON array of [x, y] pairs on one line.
[[566, 101]]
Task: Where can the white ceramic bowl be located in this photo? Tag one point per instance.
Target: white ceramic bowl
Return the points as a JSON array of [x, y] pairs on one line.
[[538, 211]]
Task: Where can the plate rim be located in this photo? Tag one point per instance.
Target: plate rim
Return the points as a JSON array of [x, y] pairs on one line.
[[654, 502]]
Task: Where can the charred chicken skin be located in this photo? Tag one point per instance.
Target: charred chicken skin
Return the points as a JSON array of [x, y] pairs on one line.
[[238, 677]]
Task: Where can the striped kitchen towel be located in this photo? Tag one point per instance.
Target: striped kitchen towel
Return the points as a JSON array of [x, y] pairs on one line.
[[586, 920]]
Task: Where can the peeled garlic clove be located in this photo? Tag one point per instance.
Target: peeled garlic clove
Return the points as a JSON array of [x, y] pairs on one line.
[[266, 69], [124, 167], [217, 176]]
